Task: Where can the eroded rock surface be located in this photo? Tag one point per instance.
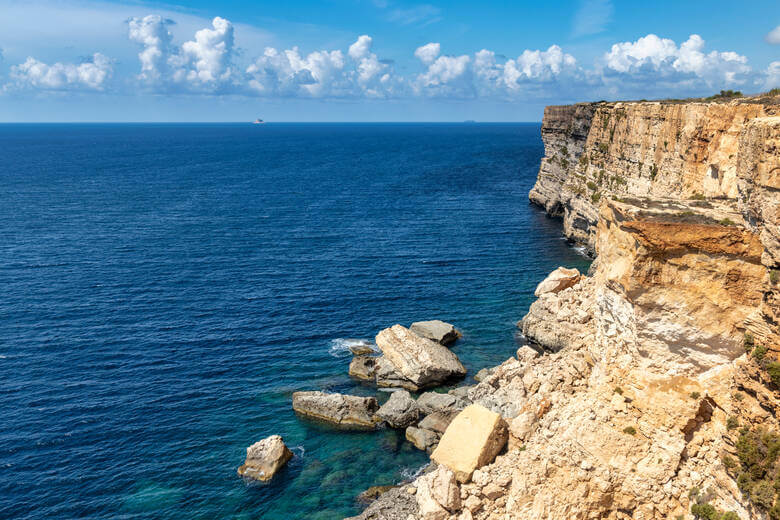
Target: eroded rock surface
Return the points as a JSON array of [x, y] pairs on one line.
[[346, 411], [415, 362], [400, 410], [436, 330]]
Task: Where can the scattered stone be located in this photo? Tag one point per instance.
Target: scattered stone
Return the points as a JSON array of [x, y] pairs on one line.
[[363, 367], [437, 422], [557, 281], [264, 458], [372, 493], [362, 349], [420, 361], [472, 440], [422, 439], [526, 354], [438, 494], [347, 411], [430, 402], [400, 410], [436, 330]]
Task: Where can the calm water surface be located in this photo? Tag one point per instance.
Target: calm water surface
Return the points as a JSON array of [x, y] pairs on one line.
[[165, 288]]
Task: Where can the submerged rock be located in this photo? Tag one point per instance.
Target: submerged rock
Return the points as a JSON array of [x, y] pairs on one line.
[[400, 410], [264, 458], [472, 440], [363, 367], [436, 330], [419, 361], [346, 411], [372, 493], [560, 279]]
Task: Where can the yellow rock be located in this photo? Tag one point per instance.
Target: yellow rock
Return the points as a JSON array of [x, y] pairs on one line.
[[473, 439]]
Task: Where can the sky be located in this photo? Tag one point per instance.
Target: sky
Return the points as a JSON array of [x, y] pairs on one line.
[[371, 60]]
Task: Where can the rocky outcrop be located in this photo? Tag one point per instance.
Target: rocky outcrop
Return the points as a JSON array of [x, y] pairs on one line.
[[363, 367], [345, 411], [636, 409], [265, 458], [413, 362], [400, 410], [436, 330], [560, 279]]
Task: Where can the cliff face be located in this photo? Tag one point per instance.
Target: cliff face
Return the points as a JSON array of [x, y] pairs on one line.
[[640, 408]]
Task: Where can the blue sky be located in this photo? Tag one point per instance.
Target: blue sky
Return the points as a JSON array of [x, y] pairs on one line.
[[370, 60]]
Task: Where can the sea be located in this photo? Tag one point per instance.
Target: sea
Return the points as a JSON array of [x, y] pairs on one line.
[[165, 288]]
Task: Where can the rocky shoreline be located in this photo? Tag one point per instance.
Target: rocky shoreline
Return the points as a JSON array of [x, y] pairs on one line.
[[657, 396], [655, 389]]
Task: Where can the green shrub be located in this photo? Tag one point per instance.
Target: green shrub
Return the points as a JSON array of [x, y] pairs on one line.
[[729, 462], [565, 151], [705, 511], [774, 92], [725, 94], [603, 147], [774, 276], [773, 369], [763, 494], [727, 222], [564, 163], [618, 390], [732, 423], [595, 197], [730, 515], [759, 353], [629, 430], [698, 196], [584, 161], [748, 342], [695, 395]]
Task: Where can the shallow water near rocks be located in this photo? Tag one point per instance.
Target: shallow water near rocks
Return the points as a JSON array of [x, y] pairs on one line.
[[167, 287]]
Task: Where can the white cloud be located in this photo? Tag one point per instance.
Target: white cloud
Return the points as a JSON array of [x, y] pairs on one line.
[[444, 75], [773, 75], [200, 65], [428, 53], [592, 17], [323, 74], [661, 61], [92, 74], [774, 36]]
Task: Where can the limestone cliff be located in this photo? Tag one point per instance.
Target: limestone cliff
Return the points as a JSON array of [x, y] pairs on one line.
[[660, 363]]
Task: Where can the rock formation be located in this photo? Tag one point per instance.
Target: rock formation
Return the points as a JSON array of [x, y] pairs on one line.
[[660, 388], [414, 362], [436, 330], [400, 410], [346, 411], [265, 458]]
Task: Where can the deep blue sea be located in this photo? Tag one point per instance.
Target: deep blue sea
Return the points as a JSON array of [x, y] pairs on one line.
[[165, 288]]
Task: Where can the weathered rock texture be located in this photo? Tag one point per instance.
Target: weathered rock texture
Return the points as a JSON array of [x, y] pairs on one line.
[[414, 362], [346, 411], [436, 330], [646, 373], [265, 458]]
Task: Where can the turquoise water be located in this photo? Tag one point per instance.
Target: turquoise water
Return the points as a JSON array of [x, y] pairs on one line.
[[165, 288]]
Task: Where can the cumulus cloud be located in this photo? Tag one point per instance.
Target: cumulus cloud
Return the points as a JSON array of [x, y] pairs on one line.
[[321, 74], [661, 60], [91, 74], [485, 74], [774, 36], [203, 64]]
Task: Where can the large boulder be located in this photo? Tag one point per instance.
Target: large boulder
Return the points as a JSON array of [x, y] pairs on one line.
[[557, 281], [387, 376], [347, 411], [472, 440], [363, 367], [400, 410], [418, 360], [438, 494], [436, 330], [431, 402], [264, 458]]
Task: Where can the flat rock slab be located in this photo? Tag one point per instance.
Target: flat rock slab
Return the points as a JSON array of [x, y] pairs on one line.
[[265, 458], [346, 411], [419, 360], [431, 402], [436, 330], [472, 440]]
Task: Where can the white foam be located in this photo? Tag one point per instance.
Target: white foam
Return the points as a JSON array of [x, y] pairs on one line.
[[412, 473], [339, 347]]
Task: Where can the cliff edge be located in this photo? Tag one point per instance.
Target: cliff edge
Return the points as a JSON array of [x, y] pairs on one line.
[[659, 392]]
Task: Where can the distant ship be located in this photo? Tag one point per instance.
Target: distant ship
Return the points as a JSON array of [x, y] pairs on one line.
[[258, 122]]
